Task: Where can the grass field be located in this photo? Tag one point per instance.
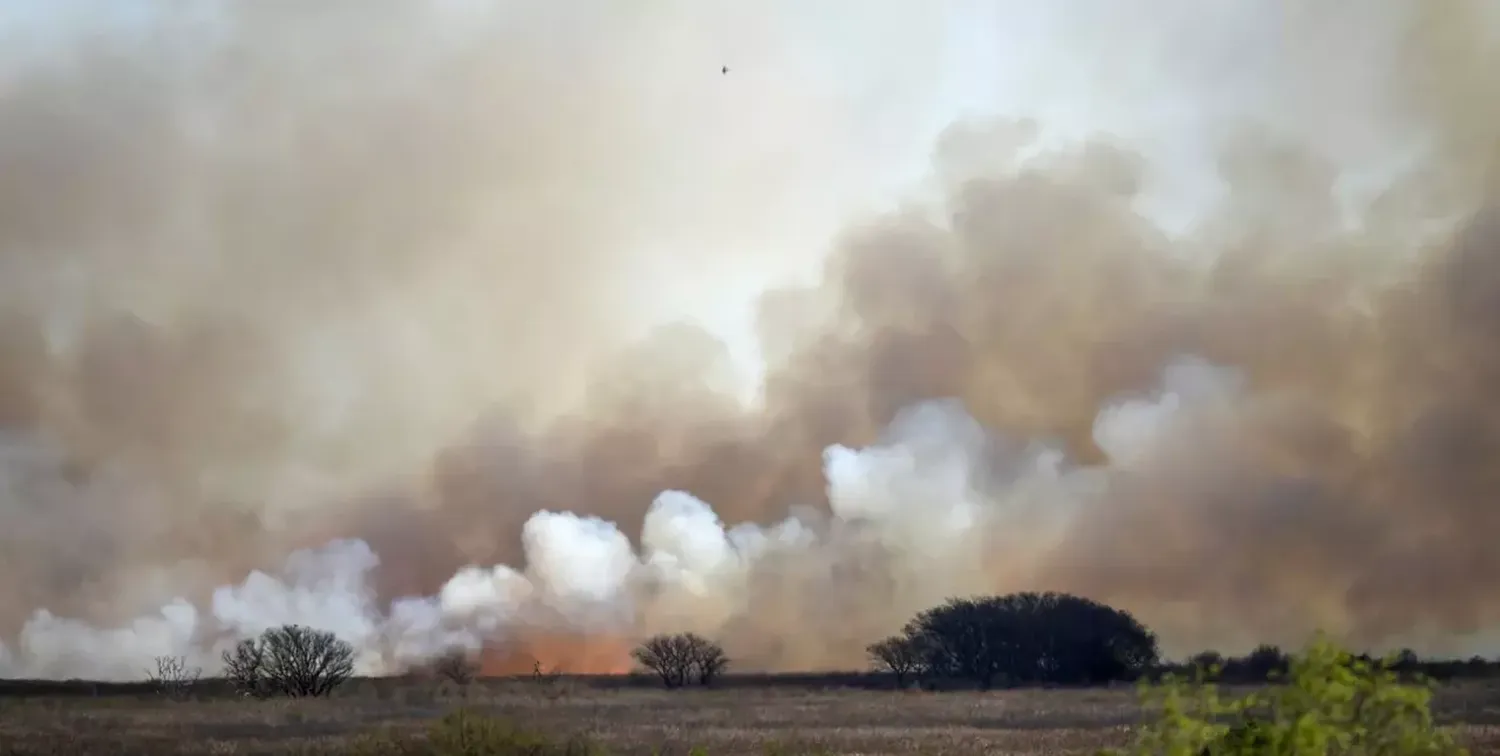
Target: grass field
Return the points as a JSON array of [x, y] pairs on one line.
[[743, 717]]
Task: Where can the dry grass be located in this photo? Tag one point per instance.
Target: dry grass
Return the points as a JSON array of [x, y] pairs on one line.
[[739, 719]]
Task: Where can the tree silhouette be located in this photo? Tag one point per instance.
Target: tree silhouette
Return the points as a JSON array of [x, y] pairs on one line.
[[1208, 664], [457, 666], [1029, 638], [678, 658], [173, 677], [291, 660], [244, 667], [900, 655], [1265, 661]]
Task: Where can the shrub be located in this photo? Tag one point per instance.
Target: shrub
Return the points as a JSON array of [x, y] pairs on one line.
[[244, 668], [457, 667], [1330, 703], [550, 683], [1209, 664], [678, 658], [1266, 662], [900, 655], [292, 661], [173, 677]]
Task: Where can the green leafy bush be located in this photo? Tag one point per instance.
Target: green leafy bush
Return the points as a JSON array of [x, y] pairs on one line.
[[1329, 702]]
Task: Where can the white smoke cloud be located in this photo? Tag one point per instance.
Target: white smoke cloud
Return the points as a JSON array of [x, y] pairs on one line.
[[928, 456], [61, 648], [1129, 430], [326, 588], [685, 541], [578, 560], [934, 493]]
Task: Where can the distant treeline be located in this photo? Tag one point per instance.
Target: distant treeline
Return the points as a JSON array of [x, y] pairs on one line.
[[1263, 662], [1235, 673], [1058, 639], [1016, 640]]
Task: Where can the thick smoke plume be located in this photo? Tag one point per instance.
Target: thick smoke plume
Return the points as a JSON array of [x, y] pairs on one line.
[[332, 314]]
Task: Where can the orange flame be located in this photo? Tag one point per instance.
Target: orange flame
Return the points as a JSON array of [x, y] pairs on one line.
[[569, 654]]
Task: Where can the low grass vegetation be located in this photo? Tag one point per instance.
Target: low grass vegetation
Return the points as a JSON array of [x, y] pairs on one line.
[[739, 715]]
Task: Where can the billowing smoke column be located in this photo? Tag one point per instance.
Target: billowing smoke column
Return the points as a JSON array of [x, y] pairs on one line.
[[918, 508], [332, 315]]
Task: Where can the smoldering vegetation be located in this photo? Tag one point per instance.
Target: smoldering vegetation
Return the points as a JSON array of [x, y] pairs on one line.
[[326, 315]]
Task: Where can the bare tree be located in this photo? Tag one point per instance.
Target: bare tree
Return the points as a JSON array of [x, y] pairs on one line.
[[301, 661], [292, 660], [173, 677], [900, 655], [669, 656], [457, 667], [244, 667], [678, 658], [709, 659]]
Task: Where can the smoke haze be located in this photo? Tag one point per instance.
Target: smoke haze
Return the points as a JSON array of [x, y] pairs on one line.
[[367, 316]]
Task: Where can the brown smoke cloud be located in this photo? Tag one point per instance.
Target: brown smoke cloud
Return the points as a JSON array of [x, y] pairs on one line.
[[277, 276]]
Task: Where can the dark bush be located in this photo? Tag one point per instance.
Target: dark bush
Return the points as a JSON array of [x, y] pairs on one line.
[[1265, 662], [1031, 638], [1208, 664]]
